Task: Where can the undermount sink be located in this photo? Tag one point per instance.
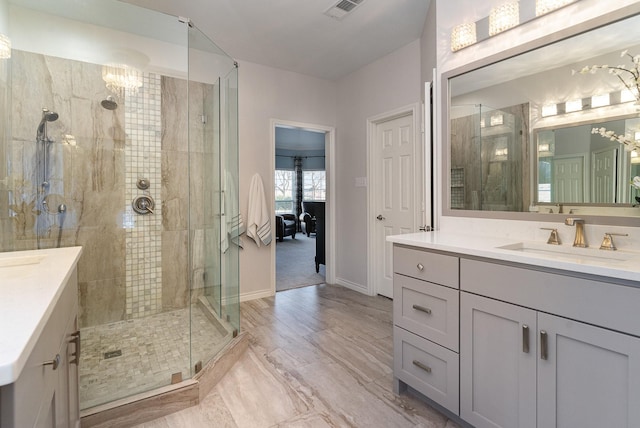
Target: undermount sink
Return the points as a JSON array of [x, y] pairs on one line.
[[13, 267], [570, 253], [6, 262]]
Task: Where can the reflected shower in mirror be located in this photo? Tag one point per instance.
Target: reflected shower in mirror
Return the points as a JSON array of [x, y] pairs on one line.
[[489, 158]]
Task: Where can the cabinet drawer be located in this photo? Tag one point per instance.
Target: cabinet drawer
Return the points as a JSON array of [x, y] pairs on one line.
[[426, 265], [427, 367], [595, 302], [426, 309]]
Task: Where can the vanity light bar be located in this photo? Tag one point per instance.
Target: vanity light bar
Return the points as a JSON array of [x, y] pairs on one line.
[[549, 110], [573, 105], [595, 101], [502, 18], [463, 35], [627, 96], [601, 100], [545, 6], [497, 119]]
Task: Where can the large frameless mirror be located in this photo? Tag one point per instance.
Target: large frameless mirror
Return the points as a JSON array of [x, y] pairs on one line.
[[554, 130]]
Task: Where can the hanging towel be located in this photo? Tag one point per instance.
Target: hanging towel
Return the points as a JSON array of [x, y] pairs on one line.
[[232, 225], [258, 216]]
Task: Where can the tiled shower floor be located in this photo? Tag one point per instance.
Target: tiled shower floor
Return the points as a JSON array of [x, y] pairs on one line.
[[153, 348]]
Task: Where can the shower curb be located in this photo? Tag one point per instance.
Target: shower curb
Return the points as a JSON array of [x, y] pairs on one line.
[[151, 405]]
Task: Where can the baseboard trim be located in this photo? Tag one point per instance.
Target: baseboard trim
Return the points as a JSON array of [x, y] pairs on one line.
[[244, 297], [353, 286]]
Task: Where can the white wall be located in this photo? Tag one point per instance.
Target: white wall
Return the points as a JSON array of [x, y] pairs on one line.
[[454, 12], [386, 84], [267, 93], [428, 46]]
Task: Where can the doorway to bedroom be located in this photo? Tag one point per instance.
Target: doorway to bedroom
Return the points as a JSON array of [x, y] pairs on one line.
[[300, 196]]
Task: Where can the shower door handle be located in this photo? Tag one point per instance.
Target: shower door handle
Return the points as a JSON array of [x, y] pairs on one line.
[[75, 339]]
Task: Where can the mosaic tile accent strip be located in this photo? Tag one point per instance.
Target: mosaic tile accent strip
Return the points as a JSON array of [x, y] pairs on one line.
[[143, 127], [152, 349]]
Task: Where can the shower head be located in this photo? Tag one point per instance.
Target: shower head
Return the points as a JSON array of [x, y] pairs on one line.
[[109, 103], [47, 116], [50, 116]]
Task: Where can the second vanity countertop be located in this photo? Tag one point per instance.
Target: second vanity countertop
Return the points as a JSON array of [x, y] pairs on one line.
[[624, 265], [31, 283]]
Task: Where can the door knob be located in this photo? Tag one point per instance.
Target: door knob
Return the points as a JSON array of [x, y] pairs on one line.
[[380, 217]]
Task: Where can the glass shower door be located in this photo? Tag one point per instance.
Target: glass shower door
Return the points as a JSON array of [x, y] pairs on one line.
[[213, 196]]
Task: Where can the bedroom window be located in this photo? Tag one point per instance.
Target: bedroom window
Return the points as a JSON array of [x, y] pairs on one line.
[[284, 182], [314, 185]]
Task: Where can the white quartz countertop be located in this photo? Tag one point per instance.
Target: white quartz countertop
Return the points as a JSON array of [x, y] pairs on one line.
[[30, 286], [615, 264]]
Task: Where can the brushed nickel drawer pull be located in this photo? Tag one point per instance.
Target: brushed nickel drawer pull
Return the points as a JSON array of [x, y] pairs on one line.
[[422, 366], [420, 267], [544, 345], [55, 362], [525, 338], [422, 309]]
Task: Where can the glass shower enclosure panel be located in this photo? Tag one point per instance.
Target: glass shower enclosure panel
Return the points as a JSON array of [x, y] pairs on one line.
[[212, 140], [122, 139]]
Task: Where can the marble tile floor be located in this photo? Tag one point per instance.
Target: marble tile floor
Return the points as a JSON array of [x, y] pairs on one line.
[[319, 356], [153, 348]]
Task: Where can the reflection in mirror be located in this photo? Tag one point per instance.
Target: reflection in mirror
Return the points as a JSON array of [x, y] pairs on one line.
[[576, 165], [489, 157], [521, 129]]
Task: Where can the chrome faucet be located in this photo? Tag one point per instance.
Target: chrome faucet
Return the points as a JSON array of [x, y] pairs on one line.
[[579, 240]]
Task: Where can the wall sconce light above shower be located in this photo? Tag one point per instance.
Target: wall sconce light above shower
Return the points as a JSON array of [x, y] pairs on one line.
[[121, 77], [5, 47]]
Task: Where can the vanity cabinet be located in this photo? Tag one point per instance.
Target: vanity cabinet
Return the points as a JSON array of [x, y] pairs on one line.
[[46, 392], [504, 344], [425, 316], [522, 367]]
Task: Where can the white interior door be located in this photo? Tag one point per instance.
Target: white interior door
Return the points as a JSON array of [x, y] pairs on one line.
[[568, 179], [603, 177], [395, 178]]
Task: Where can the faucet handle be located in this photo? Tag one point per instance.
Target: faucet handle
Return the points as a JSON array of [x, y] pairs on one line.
[[553, 237], [571, 221], [607, 241]]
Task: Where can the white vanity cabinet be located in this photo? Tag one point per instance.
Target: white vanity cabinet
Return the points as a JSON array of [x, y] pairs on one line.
[[46, 392], [523, 367], [425, 317]]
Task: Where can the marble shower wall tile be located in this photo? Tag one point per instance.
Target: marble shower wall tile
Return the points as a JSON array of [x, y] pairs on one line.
[[175, 275], [174, 114], [195, 114], [101, 301], [175, 194], [103, 253], [86, 171]]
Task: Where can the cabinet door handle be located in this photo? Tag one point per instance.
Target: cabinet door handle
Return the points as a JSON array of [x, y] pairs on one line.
[[76, 352], [525, 338], [54, 363], [424, 367], [422, 309], [420, 267], [544, 350]]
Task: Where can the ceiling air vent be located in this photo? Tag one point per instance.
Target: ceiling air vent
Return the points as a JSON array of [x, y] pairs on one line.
[[342, 8]]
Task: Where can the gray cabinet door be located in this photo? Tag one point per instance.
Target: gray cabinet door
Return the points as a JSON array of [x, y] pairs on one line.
[[497, 363], [591, 377]]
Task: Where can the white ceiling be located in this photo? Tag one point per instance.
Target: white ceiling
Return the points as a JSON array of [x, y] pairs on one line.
[[296, 35]]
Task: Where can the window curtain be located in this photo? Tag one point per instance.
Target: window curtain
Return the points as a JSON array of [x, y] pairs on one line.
[[297, 164]]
